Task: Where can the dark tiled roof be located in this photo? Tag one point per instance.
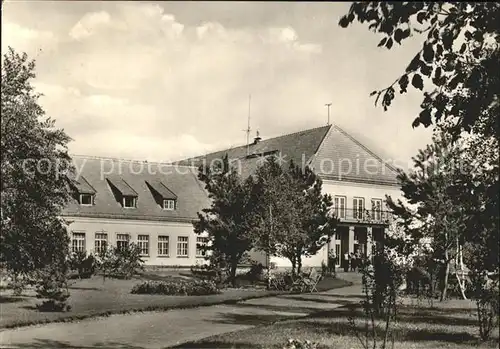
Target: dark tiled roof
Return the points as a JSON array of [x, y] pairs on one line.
[[298, 146], [328, 150], [162, 189], [81, 185], [121, 185], [343, 157], [181, 181]]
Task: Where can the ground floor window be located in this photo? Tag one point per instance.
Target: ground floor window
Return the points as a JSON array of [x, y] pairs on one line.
[[143, 243], [163, 248], [200, 242], [78, 242], [122, 241], [101, 242], [182, 246]]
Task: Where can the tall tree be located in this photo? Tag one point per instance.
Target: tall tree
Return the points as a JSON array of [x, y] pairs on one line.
[[295, 216], [316, 219], [276, 216], [457, 67], [34, 162], [229, 220], [435, 207]]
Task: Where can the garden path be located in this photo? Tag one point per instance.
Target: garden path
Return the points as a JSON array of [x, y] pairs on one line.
[[164, 329]]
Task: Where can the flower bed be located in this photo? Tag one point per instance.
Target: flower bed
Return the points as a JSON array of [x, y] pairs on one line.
[[177, 288]]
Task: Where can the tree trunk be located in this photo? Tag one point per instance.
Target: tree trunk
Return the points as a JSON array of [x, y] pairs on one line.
[[460, 278], [293, 265], [268, 270], [232, 276], [444, 288], [299, 265]]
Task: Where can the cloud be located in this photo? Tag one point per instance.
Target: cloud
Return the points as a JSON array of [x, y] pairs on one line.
[[138, 41], [89, 25], [26, 39], [107, 125], [136, 79], [82, 114], [122, 144]]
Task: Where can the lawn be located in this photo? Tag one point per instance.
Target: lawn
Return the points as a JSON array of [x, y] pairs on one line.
[[95, 297], [450, 325]]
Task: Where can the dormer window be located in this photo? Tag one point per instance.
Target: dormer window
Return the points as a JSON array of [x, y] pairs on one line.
[[164, 197], [86, 199], [81, 190], [129, 202], [169, 204], [123, 192]]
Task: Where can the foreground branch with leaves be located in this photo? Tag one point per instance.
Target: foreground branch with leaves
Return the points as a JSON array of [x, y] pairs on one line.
[[34, 162], [457, 66]]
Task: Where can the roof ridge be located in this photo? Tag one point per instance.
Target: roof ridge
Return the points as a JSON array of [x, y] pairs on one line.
[[263, 140], [365, 148], [320, 145], [92, 157]]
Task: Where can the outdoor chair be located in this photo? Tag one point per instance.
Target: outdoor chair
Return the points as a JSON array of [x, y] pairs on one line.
[[310, 282]]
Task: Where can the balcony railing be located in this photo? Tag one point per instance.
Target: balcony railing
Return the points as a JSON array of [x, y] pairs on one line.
[[365, 216]]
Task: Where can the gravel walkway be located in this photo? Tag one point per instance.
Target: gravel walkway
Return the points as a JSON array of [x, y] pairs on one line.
[[164, 329]]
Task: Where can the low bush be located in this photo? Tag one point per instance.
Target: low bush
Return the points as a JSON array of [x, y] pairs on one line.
[[121, 263], [285, 281], [84, 264], [18, 284], [53, 287], [298, 344], [203, 271], [255, 273], [177, 288]]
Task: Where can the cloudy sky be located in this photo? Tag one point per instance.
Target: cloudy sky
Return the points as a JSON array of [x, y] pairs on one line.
[[167, 80]]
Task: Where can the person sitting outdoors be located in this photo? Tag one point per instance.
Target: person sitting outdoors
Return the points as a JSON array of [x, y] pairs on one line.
[[353, 261], [346, 262]]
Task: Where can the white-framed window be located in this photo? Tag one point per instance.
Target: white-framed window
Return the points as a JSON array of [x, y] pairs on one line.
[[163, 245], [200, 241], [143, 243], [339, 203], [100, 242], [169, 204], [377, 209], [86, 199], [358, 206], [182, 246], [122, 241], [78, 242], [129, 202]]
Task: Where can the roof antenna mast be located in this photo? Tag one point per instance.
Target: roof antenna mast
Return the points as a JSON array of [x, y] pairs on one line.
[[328, 105], [248, 125]]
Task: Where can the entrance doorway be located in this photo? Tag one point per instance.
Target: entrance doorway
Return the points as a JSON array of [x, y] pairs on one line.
[[338, 254]]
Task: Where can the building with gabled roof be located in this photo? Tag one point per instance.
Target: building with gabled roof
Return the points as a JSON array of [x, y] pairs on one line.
[[356, 177], [154, 204], [116, 202]]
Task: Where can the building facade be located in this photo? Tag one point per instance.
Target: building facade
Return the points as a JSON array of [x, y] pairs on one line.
[[357, 179], [117, 202]]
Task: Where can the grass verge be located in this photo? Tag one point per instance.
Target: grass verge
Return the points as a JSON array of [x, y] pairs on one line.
[[417, 328], [114, 298]]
